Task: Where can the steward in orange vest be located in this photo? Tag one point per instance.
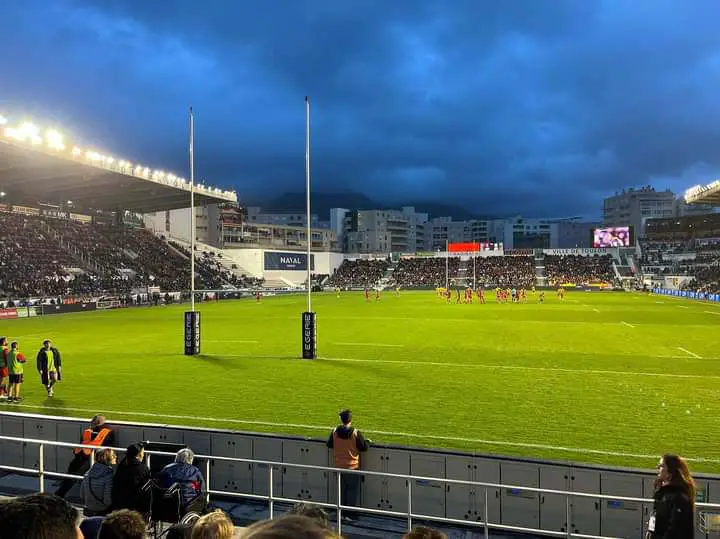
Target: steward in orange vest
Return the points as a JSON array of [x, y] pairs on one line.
[[99, 435], [347, 443]]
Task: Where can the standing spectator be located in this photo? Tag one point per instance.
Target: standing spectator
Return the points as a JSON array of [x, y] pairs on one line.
[[15, 362], [38, 516], [97, 434], [674, 507], [315, 512], [187, 477], [289, 527], [130, 489], [96, 487], [49, 365], [347, 443], [123, 524]]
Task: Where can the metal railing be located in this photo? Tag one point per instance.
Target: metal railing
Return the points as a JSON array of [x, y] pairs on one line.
[[271, 498]]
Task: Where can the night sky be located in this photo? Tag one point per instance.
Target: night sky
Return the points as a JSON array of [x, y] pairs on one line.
[[539, 107]]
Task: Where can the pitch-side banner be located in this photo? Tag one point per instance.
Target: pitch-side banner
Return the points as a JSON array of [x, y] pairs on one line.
[[287, 261]]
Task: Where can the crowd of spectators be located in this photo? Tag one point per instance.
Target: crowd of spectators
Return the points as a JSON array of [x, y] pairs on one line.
[[48, 257], [423, 272], [506, 271], [577, 269], [359, 273]]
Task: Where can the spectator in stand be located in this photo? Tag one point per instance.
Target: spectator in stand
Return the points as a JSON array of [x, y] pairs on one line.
[[188, 478], [578, 269], [347, 443], [674, 508], [130, 489], [215, 525], [422, 532], [38, 516], [289, 527], [97, 434], [96, 487], [123, 524], [49, 365]]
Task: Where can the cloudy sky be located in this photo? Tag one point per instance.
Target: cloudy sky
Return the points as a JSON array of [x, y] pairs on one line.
[[539, 107]]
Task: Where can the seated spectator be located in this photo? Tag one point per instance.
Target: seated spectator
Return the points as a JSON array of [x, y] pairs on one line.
[[96, 487], [90, 527], [215, 525], [130, 488], [422, 532], [185, 475], [289, 527], [123, 524], [38, 515], [315, 512]]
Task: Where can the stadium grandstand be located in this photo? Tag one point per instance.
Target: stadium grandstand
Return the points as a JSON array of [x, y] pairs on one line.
[[704, 194]]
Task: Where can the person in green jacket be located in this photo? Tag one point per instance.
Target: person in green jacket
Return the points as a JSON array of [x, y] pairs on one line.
[[16, 362]]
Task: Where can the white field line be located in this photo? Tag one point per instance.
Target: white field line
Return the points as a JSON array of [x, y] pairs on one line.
[[596, 310], [370, 344], [693, 354], [682, 306], [626, 324], [660, 302], [713, 312], [239, 342], [325, 428], [526, 368]]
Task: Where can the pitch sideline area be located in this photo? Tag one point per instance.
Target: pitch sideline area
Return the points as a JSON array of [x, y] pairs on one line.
[[562, 380]]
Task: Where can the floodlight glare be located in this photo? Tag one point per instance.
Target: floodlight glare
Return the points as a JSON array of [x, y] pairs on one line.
[[76, 151], [3, 120], [2, 193], [54, 139]]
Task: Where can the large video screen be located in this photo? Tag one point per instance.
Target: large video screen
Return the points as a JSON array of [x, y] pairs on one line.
[[618, 236]]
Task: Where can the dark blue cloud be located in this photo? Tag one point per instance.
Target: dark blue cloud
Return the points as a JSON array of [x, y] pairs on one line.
[[524, 106]]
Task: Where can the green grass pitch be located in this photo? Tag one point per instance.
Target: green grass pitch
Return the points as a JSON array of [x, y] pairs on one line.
[[609, 378]]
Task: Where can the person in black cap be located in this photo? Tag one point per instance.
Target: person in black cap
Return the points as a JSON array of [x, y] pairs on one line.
[[130, 485]]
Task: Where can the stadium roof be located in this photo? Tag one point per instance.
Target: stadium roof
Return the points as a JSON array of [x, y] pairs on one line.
[[34, 170], [704, 194]]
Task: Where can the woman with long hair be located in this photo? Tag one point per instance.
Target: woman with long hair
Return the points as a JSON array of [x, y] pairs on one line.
[[674, 507]]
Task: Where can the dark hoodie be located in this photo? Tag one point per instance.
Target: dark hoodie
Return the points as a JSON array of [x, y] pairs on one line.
[[96, 489], [345, 432], [127, 491], [673, 513]]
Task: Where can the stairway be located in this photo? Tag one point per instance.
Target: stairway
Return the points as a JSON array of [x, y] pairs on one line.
[[540, 275]]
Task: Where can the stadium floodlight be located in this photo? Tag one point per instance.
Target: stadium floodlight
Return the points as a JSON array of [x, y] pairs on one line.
[[3, 120], [69, 202], [2, 194], [76, 151], [54, 140], [110, 160], [146, 171]]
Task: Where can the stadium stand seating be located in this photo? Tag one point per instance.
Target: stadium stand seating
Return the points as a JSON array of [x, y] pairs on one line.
[[358, 273], [577, 269]]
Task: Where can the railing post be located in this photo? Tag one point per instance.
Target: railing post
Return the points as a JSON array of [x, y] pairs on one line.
[[485, 515], [92, 457], [409, 485], [568, 532], [41, 472], [270, 493], [339, 511], [207, 481]]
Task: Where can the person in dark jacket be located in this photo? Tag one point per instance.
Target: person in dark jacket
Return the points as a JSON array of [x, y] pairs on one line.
[[186, 476], [674, 507], [96, 487], [347, 443], [130, 489], [49, 366]]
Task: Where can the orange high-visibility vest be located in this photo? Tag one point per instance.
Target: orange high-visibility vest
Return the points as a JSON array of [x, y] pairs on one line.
[[346, 452], [87, 439]]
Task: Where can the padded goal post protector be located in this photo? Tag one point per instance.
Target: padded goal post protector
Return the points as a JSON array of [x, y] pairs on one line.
[[192, 333], [309, 335]]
